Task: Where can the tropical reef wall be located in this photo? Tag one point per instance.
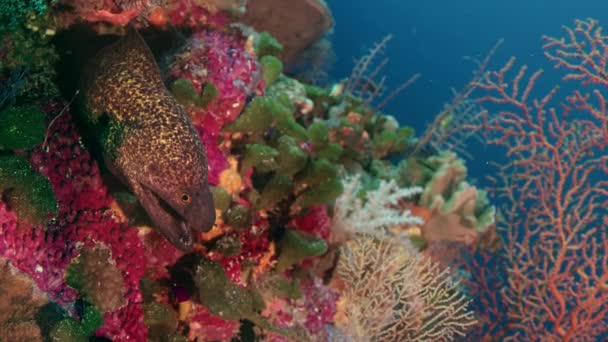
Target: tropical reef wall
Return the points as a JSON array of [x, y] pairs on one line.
[[333, 222]]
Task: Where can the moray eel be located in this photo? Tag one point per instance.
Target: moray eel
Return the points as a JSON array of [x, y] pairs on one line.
[[147, 140]]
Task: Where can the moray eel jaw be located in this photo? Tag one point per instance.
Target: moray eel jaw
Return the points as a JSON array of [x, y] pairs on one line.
[[176, 220]]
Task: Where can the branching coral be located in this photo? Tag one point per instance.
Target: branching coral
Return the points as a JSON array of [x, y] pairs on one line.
[[366, 81], [554, 185], [376, 213], [391, 293]]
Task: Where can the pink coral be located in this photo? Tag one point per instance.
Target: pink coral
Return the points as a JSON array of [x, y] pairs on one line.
[[84, 219], [320, 305], [221, 59], [208, 130], [313, 312], [192, 14]]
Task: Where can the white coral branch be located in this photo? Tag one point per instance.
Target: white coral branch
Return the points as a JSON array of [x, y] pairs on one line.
[[377, 212]]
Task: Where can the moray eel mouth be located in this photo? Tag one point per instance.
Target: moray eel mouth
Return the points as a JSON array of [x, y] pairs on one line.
[[173, 225]]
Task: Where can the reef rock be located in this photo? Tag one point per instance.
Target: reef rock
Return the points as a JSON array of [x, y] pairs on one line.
[[295, 23]]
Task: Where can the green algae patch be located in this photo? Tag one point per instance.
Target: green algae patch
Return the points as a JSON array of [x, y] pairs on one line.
[[27, 192], [297, 246], [72, 330], [272, 68], [21, 128], [221, 198], [265, 44], [184, 92]]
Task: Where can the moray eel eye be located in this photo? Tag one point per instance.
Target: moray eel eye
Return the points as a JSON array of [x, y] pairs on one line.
[[186, 198]]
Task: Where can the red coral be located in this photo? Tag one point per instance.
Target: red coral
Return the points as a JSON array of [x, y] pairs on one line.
[[84, 219], [316, 222], [554, 186], [119, 19], [118, 13], [208, 327], [161, 254], [254, 244]]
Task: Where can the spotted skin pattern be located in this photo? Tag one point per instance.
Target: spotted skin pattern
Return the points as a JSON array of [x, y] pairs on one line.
[[148, 141]]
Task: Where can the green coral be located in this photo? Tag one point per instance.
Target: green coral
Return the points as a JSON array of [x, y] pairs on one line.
[[13, 12], [317, 172], [230, 301], [261, 157], [221, 198], [209, 93], [287, 125], [272, 68], [72, 330], [256, 118], [265, 44], [291, 158], [94, 274], [297, 246], [320, 194], [264, 112], [277, 188], [161, 320], [21, 128], [332, 152], [319, 135], [29, 193], [184, 92], [228, 245], [29, 51], [238, 216]]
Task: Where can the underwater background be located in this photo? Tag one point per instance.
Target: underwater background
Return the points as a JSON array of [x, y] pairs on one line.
[[303, 170], [435, 38]]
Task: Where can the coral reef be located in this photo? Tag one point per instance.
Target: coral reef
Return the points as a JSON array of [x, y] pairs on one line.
[[84, 219], [332, 220]]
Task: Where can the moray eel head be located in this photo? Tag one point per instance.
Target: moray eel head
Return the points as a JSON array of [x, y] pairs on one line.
[[177, 212], [149, 142]]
